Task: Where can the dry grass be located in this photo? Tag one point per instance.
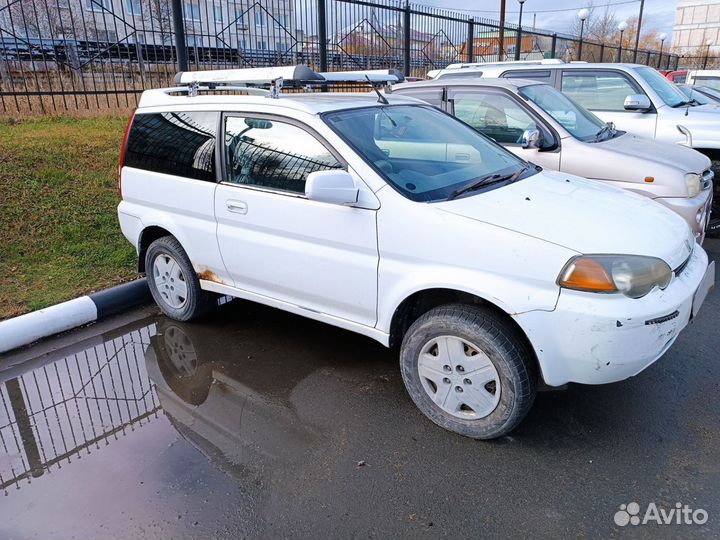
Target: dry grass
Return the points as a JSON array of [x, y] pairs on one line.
[[59, 236]]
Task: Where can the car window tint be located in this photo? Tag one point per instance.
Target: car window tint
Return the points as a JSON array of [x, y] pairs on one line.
[[177, 143], [273, 154], [433, 96], [604, 90], [495, 115], [534, 74]]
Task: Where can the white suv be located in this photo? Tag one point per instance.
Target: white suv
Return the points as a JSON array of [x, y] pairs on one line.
[[390, 218]]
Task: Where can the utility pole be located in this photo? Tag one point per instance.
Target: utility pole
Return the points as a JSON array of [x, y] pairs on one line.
[[637, 36], [501, 31]]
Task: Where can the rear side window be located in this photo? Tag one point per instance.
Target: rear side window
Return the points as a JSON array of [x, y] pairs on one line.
[[177, 143]]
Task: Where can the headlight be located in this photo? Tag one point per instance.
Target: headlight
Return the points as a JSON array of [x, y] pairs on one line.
[[694, 183], [633, 275]]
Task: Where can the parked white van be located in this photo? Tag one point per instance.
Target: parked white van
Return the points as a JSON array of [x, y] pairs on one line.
[[390, 218]]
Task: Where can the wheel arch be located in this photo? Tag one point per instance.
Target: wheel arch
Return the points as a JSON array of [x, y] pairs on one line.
[[421, 301], [147, 236]]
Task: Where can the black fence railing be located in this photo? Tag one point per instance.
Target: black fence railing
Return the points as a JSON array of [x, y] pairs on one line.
[[59, 55]]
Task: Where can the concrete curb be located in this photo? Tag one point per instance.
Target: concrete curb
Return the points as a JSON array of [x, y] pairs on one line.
[[30, 327]]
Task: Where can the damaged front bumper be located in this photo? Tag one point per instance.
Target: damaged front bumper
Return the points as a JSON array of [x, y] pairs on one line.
[[602, 338]]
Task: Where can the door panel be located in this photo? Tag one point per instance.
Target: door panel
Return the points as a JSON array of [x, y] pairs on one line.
[[275, 242]]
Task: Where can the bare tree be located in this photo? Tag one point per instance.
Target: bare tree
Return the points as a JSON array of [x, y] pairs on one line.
[[599, 26]]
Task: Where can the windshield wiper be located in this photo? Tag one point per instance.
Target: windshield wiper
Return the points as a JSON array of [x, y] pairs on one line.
[[607, 128], [487, 181]]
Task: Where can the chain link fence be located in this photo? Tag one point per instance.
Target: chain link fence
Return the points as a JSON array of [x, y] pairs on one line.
[[99, 55]]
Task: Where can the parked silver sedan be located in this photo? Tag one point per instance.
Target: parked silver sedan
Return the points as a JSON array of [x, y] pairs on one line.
[[542, 125]]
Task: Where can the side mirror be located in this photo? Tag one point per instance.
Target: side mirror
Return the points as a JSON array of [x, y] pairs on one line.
[[531, 138], [637, 102], [334, 187]]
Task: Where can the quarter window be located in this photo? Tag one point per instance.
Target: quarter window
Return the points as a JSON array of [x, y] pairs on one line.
[[603, 90], [494, 115], [273, 154], [534, 74], [181, 144]]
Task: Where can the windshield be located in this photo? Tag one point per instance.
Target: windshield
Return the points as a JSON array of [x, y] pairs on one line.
[[708, 81], [581, 123], [423, 153], [691, 93], [663, 88], [712, 92]]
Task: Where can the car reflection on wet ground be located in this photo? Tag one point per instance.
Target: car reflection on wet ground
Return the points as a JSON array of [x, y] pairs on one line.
[[256, 423]]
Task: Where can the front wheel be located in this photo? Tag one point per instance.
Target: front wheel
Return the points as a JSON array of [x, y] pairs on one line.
[[468, 370]]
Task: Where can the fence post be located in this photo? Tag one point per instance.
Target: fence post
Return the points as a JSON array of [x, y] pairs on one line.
[[406, 37], [470, 44], [602, 52], [180, 42], [553, 46], [322, 33]]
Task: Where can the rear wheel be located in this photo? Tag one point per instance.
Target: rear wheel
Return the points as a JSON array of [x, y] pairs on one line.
[[173, 282], [468, 370]]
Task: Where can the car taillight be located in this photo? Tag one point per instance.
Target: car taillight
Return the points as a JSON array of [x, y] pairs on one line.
[[122, 154]]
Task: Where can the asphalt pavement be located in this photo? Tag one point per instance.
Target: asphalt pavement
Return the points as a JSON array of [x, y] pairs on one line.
[[255, 423]]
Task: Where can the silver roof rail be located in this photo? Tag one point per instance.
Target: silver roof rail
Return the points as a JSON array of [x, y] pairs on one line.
[[272, 79]]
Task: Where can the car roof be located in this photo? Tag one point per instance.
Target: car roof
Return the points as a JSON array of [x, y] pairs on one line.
[[311, 102], [572, 65], [512, 84]]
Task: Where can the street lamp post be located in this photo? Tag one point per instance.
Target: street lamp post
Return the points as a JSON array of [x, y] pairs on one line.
[[518, 43], [662, 37], [622, 27], [583, 14], [709, 43]]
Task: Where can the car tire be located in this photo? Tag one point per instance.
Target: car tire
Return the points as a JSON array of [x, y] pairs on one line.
[[469, 370], [173, 282]]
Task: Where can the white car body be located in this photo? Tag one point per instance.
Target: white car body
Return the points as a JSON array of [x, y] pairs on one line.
[[354, 265]]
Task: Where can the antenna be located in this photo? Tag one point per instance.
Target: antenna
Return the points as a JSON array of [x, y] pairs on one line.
[[381, 99]]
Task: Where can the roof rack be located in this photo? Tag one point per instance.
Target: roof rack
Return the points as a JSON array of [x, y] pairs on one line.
[[269, 81], [462, 65]]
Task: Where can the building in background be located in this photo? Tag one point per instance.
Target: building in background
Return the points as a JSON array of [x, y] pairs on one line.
[[696, 23]]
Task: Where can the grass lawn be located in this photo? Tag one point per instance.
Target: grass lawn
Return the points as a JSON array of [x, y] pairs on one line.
[[59, 235]]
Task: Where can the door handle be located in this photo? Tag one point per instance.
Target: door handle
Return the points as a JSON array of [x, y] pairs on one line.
[[238, 207]]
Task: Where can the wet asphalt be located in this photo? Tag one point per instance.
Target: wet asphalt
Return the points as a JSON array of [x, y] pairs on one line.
[[254, 423]]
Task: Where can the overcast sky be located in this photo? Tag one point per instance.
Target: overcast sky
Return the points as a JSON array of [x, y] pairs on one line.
[[658, 14]]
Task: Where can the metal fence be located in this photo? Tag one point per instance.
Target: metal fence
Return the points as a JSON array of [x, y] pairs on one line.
[[60, 55], [60, 411]]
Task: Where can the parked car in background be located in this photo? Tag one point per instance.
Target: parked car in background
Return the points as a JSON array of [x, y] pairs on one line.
[[389, 218], [540, 124], [704, 77], [636, 99], [712, 94], [678, 77]]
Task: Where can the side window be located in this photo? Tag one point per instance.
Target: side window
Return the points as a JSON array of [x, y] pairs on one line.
[[601, 90], [177, 143], [272, 154], [542, 75], [495, 115]]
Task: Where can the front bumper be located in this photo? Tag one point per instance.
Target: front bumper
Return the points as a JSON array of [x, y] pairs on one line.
[[601, 338], [695, 211]]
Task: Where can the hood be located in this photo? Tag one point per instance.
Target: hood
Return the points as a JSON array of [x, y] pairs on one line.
[[649, 153], [581, 215], [631, 159]]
